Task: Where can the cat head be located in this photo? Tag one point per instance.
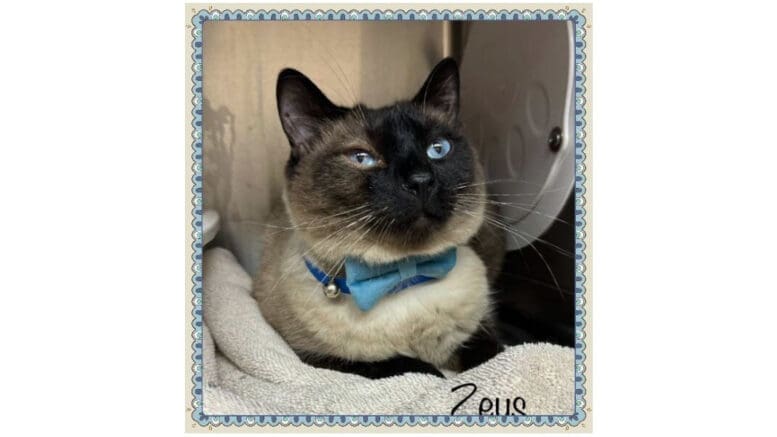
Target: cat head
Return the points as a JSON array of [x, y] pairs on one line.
[[383, 183]]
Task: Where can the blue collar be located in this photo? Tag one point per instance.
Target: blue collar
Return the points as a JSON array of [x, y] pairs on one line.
[[368, 283]]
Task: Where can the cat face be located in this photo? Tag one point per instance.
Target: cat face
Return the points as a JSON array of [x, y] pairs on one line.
[[380, 183]]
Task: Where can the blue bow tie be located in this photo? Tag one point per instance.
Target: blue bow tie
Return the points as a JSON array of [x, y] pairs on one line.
[[368, 283]]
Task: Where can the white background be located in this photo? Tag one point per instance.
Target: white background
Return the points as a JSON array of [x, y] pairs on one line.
[[92, 183]]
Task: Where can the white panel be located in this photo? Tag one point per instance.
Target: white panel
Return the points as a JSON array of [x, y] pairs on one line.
[[517, 84]]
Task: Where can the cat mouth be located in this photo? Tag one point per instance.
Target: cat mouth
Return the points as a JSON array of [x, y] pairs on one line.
[[432, 217], [417, 230], [425, 221], [422, 224]]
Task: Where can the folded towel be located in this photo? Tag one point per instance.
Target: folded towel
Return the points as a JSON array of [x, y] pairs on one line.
[[248, 369]]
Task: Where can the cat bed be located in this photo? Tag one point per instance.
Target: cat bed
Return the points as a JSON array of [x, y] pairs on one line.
[[248, 369]]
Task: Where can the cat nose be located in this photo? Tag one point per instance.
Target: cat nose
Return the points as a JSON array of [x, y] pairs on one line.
[[419, 182]]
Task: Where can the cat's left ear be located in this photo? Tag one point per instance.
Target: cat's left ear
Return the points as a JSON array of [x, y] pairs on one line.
[[441, 89]]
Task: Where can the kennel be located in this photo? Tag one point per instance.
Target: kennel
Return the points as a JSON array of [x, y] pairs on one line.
[[517, 84]]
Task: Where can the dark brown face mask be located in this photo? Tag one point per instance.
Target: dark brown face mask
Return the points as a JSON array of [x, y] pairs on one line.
[[406, 165]]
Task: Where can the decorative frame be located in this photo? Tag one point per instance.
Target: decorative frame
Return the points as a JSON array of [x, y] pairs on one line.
[[195, 417]]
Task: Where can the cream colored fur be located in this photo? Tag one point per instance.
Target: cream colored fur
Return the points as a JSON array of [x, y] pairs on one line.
[[249, 369], [429, 321]]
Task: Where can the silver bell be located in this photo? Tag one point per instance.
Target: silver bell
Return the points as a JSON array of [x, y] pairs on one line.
[[331, 290]]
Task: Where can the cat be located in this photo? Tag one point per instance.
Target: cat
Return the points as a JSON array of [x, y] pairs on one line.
[[372, 187]]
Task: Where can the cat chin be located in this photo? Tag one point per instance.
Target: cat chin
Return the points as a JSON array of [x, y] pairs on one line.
[[382, 253], [378, 255], [457, 233]]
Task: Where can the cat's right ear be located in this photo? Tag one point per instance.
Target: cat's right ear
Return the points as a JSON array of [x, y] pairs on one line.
[[441, 89], [303, 108]]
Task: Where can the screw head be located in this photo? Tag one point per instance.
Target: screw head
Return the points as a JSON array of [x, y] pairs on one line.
[[555, 139]]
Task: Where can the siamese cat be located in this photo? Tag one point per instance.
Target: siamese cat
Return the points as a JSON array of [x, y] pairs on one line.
[[377, 262]]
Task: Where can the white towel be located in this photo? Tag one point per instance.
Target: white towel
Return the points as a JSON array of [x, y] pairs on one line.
[[248, 369]]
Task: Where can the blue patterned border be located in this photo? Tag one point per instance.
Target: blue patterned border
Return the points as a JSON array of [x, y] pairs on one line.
[[196, 406]]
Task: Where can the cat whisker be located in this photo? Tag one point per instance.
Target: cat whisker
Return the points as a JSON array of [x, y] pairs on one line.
[[300, 228], [518, 206], [506, 228], [332, 236], [502, 219], [539, 254], [385, 230], [558, 248], [478, 195], [347, 211], [298, 256], [336, 268], [368, 222], [351, 213], [496, 181], [481, 199], [332, 271]]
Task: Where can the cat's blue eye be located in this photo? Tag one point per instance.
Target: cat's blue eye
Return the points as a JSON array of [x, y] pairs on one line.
[[363, 159], [438, 149]]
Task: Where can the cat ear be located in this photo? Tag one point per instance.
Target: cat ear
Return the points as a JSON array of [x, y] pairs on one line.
[[302, 108], [441, 89]]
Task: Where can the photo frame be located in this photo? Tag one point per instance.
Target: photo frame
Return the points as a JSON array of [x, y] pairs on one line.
[[580, 15]]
